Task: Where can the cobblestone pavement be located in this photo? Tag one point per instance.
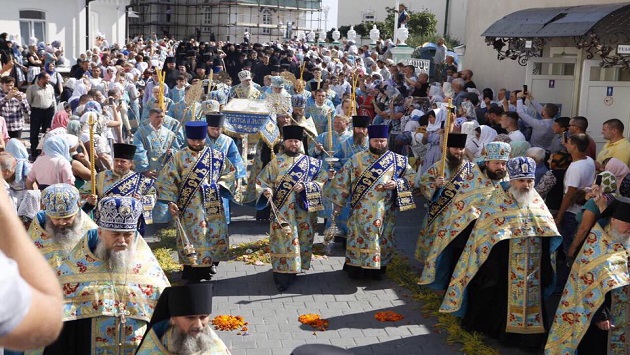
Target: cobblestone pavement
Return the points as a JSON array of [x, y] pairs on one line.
[[349, 305]]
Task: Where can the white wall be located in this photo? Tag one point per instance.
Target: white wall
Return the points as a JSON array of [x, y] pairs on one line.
[[111, 22], [65, 21], [456, 16], [60, 17], [332, 13], [350, 11], [482, 59]]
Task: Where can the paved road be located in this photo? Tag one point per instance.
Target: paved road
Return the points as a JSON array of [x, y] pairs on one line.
[[349, 305]]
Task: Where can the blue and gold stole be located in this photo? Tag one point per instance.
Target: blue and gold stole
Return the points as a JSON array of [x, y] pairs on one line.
[[404, 198], [448, 193], [209, 164], [311, 197], [302, 171], [131, 184], [372, 174]]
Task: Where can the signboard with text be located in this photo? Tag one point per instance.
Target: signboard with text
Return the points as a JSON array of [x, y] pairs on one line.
[[420, 64], [623, 49]]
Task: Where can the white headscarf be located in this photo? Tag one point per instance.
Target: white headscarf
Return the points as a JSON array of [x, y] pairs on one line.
[[440, 116], [475, 145]]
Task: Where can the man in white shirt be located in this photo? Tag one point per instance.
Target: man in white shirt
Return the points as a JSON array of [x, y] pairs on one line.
[[579, 175], [440, 58], [340, 86], [509, 122]]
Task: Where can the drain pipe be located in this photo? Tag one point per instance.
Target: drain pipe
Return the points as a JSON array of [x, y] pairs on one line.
[[87, 24], [448, 6]]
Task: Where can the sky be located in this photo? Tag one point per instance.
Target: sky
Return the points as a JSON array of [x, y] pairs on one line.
[[332, 13]]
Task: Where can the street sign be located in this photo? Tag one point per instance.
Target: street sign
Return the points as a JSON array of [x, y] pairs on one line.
[[623, 49]]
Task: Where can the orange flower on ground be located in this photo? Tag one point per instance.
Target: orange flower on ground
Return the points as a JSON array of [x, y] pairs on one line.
[[388, 316], [314, 320], [227, 322]]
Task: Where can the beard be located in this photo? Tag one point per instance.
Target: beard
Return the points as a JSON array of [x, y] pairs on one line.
[[195, 149], [291, 152], [359, 139], [523, 197], [453, 161], [495, 175], [121, 172], [118, 260], [296, 116], [185, 344], [378, 151], [619, 237], [67, 236]]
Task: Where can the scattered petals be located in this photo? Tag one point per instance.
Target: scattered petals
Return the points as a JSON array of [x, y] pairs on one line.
[[227, 323], [388, 316], [315, 321]]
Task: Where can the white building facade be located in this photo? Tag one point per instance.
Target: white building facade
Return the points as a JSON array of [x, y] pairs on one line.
[[65, 21], [450, 14]]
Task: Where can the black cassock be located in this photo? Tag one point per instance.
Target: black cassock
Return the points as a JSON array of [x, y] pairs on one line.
[[75, 339], [488, 298]]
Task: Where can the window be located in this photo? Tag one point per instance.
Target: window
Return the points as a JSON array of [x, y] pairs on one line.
[[609, 74], [207, 16], [266, 20], [368, 16], [32, 24]]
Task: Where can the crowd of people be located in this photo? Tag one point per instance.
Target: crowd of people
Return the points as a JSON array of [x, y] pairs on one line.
[[520, 205]]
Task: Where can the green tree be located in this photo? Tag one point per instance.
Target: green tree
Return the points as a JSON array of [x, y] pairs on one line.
[[420, 24]]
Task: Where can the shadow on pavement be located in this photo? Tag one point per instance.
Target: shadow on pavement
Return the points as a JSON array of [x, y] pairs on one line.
[[414, 345], [366, 320], [261, 283]]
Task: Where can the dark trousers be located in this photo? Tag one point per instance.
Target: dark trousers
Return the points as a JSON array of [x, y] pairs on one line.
[[15, 134], [40, 122]]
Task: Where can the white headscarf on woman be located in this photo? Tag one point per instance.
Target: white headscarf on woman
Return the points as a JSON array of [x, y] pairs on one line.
[[487, 135], [440, 116]]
